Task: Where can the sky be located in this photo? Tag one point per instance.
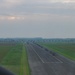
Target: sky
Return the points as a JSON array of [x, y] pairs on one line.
[[37, 18]]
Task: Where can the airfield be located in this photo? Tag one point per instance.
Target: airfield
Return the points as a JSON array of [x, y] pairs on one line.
[[43, 62], [23, 57]]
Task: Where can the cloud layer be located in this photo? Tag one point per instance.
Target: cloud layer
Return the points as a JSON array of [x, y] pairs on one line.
[[33, 18], [11, 7], [12, 3]]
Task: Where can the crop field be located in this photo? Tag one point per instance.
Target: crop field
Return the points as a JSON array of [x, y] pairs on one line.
[[66, 49], [34, 59], [14, 58]]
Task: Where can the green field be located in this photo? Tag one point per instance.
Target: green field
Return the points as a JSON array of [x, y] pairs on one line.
[[66, 49], [14, 58]]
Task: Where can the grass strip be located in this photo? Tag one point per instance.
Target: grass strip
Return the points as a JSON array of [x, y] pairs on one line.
[[16, 60], [24, 68], [66, 49], [4, 50], [12, 60], [13, 57]]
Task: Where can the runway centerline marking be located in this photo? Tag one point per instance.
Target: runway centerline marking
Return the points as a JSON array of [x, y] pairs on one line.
[[38, 55]]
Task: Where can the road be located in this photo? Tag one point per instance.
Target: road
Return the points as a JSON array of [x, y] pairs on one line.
[[42, 62]]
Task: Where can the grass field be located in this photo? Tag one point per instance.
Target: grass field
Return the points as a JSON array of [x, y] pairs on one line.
[[14, 58], [66, 49]]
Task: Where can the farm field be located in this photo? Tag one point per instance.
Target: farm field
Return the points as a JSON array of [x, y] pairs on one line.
[[14, 58], [66, 49]]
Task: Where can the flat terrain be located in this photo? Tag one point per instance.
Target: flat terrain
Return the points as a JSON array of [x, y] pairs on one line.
[[13, 57], [66, 49], [42, 62]]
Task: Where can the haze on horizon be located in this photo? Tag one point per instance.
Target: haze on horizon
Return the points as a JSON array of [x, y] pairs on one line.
[[37, 18]]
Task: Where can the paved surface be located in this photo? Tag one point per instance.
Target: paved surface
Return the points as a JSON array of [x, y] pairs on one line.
[[42, 62]]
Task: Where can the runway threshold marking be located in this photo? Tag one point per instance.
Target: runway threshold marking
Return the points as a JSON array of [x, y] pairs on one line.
[[49, 54], [38, 55], [53, 62], [57, 59]]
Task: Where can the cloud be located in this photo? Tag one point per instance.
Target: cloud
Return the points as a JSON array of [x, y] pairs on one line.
[[29, 7], [10, 3], [51, 1], [43, 3], [62, 1], [37, 17]]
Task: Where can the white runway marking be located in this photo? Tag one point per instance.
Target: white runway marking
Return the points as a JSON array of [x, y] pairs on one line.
[[38, 55], [57, 59], [53, 62], [49, 54]]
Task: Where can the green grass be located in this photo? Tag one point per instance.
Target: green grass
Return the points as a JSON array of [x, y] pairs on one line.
[[13, 56], [15, 59], [25, 70], [66, 49], [4, 49]]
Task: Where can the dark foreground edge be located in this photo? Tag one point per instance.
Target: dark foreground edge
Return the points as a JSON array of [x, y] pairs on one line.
[[4, 71]]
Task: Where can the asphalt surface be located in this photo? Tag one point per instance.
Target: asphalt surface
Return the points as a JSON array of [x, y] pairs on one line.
[[44, 62]]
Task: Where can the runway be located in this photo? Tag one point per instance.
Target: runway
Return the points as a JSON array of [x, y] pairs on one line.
[[42, 62]]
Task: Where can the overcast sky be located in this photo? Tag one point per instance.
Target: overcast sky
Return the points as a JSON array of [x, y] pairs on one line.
[[37, 18]]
